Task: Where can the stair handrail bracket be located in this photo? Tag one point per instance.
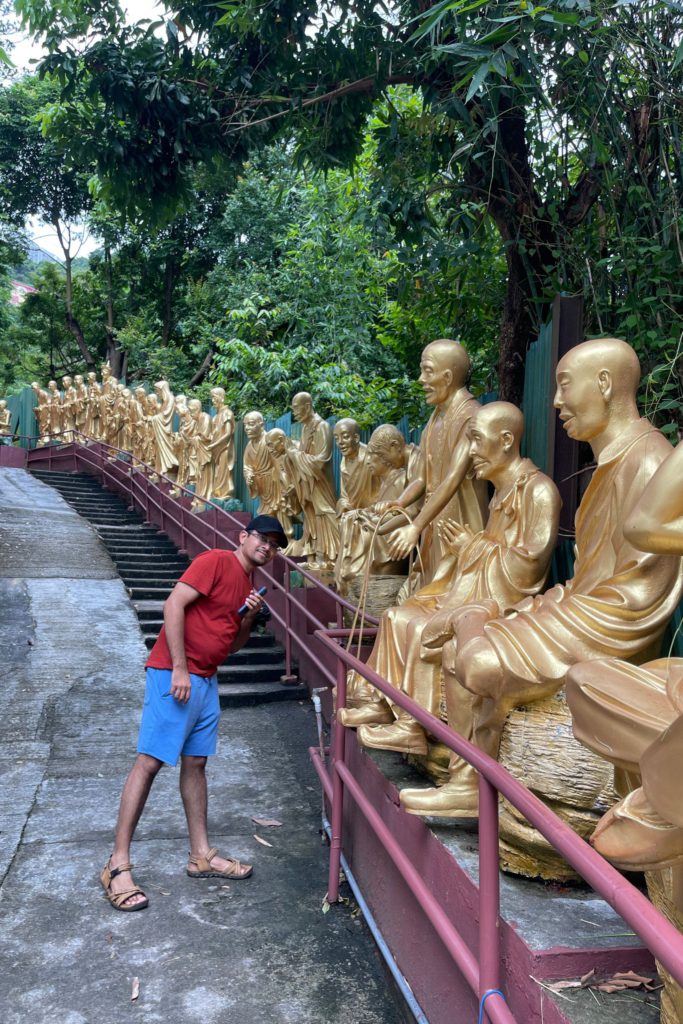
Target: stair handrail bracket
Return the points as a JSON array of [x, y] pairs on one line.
[[663, 940]]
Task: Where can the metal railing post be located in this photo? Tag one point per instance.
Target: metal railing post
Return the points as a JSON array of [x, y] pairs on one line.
[[288, 622], [338, 750], [489, 891]]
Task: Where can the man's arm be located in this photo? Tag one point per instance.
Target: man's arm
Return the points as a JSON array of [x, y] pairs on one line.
[[180, 597]]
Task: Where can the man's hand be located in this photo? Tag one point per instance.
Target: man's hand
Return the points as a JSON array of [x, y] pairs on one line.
[[253, 602], [402, 541], [181, 685], [454, 535]]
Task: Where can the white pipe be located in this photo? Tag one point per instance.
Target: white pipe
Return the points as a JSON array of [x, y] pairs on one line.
[[398, 977]]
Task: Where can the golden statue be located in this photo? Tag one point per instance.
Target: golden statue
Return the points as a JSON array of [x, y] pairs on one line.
[[501, 564], [356, 482], [68, 408], [262, 475], [393, 464], [80, 406], [152, 407], [55, 401], [201, 468], [137, 422], [633, 715], [165, 460], [446, 482], [91, 426], [6, 432], [222, 447], [42, 413], [308, 466], [125, 415], [184, 440], [108, 401], [619, 600]]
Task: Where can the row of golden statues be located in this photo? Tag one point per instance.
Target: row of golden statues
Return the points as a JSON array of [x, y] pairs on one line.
[[471, 635]]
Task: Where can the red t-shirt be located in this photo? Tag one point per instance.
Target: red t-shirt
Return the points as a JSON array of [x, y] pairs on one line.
[[211, 622]]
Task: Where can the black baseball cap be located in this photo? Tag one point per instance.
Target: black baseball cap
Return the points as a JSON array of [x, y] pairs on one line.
[[268, 524]]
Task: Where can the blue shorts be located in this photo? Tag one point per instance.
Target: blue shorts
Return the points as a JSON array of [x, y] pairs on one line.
[[169, 728]]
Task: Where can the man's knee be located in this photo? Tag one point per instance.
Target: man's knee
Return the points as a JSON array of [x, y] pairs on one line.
[[478, 669], [148, 765], [193, 763]]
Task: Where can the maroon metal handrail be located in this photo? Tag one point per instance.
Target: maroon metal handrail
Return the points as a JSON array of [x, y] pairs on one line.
[[656, 932]]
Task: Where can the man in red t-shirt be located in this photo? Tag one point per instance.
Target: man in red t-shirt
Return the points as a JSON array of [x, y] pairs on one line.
[[202, 625]]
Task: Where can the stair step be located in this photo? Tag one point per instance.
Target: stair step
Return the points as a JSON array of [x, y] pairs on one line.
[[243, 695], [149, 593], [133, 564]]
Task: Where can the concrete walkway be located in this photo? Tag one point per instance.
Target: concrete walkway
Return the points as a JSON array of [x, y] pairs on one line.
[[205, 952]]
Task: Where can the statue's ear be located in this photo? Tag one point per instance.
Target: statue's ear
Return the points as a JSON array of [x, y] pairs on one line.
[[508, 439], [605, 384]]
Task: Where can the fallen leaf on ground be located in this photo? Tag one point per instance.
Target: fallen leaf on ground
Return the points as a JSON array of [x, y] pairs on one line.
[[267, 822], [326, 905], [136, 990], [620, 981], [263, 842]]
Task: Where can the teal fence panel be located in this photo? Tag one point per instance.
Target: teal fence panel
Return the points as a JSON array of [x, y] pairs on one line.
[[23, 421], [537, 403]]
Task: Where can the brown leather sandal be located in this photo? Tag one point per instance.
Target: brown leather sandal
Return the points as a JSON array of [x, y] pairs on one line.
[[204, 869], [118, 899]]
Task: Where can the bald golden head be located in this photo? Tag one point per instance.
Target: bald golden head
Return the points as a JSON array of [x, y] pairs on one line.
[[444, 368], [597, 383], [501, 417], [608, 355]]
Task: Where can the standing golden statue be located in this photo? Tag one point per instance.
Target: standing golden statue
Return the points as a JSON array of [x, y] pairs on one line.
[[42, 413], [619, 600], [108, 401], [165, 461], [222, 447], [55, 402], [201, 468], [308, 465], [356, 482], [393, 464], [80, 407], [184, 440], [68, 408], [137, 423], [446, 483], [262, 474], [91, 427]]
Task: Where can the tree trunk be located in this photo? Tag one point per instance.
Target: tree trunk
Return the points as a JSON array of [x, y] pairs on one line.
[[71, 322], [203, 369], [167, 300], [516, 331]]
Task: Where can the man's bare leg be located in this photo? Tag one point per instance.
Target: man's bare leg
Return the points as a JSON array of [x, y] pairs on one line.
[[194, 794], [133, 800]]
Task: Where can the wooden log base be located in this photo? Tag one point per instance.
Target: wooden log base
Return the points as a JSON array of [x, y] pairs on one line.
[[539, 749]]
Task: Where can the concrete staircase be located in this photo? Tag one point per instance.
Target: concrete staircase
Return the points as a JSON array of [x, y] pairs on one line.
[[149, 565]]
